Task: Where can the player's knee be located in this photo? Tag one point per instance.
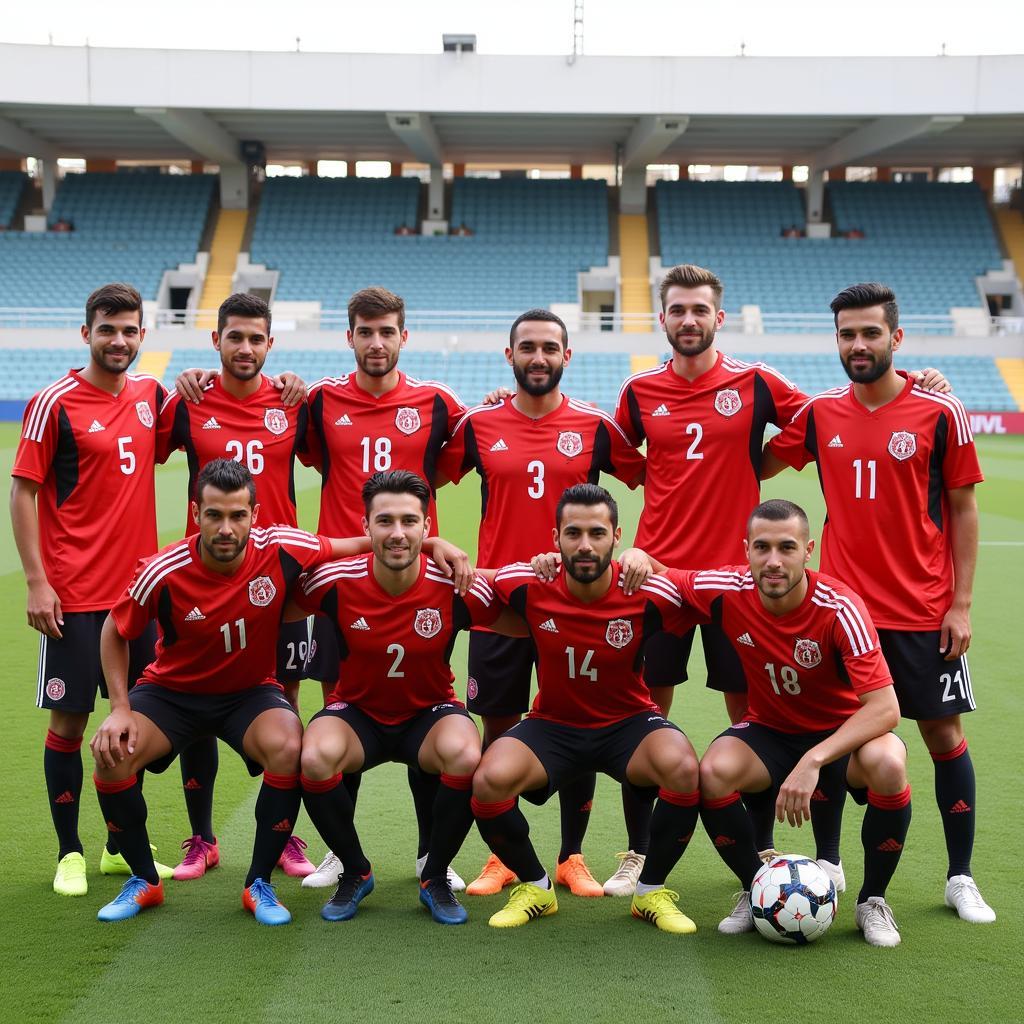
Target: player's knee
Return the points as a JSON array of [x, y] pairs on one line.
[[492, 782], [463, 759], [941, 734], [716, 776], [316, 762], [69, 725], [884, 764]]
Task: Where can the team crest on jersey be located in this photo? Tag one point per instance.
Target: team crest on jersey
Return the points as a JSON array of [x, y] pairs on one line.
[[471, 688], [275, 420], [728, 402], [619, 633], [262, 591], [55, 688], [407, 420], [145, 414], [570, 443], [902, 445], [807, 653], [427, 622]]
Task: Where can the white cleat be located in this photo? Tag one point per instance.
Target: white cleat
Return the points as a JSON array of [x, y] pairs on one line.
[[623, 882], [741, 919], [963, 896], [455, 880], [835, 872], [327, 873], [874, 918]]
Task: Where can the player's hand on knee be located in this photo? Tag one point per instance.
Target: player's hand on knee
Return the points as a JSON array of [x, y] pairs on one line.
[[291, 386], [44, 613], [107, 745], [546, 566], [191, 382], [794, 800], [636, 569]]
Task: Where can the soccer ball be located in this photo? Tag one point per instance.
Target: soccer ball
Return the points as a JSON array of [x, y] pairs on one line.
[[792, 900]]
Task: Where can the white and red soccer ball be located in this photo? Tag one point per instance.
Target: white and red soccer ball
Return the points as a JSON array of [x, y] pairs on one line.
[[792, 900]]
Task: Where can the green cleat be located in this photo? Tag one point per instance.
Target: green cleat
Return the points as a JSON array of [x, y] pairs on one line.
[[115, 864], [659, 908], [525, 902], [70, 877]]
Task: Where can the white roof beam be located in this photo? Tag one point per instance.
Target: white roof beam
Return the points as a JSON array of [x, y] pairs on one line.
[[418, 135], [196, 130], [15, 139], [650, 137], [878, 136]]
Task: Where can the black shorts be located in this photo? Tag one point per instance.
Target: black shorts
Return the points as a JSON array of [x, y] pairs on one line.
[[666, 658], [292, 651], [567, 751], [323, 659], [382, 743], [779, 751], [500, 673], [70, 672], [186, 717], [926, 685]]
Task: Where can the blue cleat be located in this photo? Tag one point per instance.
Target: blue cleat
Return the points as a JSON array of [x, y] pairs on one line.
[[352, 888], [437, 896], [261, 901], [135, 896]]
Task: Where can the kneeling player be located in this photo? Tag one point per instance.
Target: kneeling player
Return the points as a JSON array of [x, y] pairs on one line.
[[821, 707], [396, 616], [592, 712], [217, 599]]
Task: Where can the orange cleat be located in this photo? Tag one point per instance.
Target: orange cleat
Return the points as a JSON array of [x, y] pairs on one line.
[[492, 879], [574, 874]]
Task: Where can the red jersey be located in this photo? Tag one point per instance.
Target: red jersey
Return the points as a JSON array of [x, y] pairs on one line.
[[525, 464], [259, 431], [590, 655], [704, 440], [395, 651], [804, 669], [885, 476], [357, 434], [216, 633], [93, 454]]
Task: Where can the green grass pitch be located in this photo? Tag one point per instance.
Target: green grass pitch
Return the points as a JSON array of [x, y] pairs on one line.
[[201, 956]]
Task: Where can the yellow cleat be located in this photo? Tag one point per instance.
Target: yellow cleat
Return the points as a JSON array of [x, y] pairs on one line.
[[115, 864], [659, 908], [70, 877], [525, 902]]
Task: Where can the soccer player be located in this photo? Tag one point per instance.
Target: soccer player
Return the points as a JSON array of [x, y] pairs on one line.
[[897, 467], [87, 445], [397, 617], [527, 450], [592, 711], [241, 417]]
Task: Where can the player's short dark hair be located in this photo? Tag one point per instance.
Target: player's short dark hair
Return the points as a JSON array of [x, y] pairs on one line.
[[689, 275], [587, 494], [538, 314], [242, 304], [227, 476], [396, 481], [778, 510], [375, 302], [862, 296], [113, 298]]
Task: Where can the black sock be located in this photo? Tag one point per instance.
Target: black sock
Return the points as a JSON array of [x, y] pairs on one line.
[[198, 773], [124, 810], [329, 807], [955, 795], [452, 818], [884, 834], [575, 799], [728, 826], [506, 831], [277, 807], [637, 807], [352, 783], [424, 788], [112, 845], [761, 808], [827, 802], [62, 769], [672, 825]]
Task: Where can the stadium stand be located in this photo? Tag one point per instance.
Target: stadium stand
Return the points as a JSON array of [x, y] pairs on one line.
[[12, 184]]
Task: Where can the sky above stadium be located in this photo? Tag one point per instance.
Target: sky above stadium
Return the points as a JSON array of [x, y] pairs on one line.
[[622, 27]]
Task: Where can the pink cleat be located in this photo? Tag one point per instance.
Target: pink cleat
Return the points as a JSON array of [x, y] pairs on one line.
[[199, 857], [293, 861]]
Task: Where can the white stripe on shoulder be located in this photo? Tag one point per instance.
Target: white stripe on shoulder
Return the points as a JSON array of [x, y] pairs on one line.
[[652, 372], [328, 382], [482, 592], [956, 410], [44, 402], [179, 557], [284, 535], [849, 617], [476, 410], [592, 410], [145, 376], [329, 572], [664, 588], [717, 579], [437, 386], [734, 365]]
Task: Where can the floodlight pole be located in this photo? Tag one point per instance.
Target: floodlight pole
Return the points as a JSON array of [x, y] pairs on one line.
[[577, 31]]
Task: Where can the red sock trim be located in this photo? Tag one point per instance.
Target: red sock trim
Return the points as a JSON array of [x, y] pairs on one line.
[[281, 781], [319, 785], [460, 782], [680, 799], [61, 744], [482, 810], [886, 802], [117, 786], [725, 801], [958, 751]]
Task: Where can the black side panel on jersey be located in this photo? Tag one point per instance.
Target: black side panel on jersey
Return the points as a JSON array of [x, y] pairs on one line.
[[517, 599], [841, 667], [633, 407], [936, 485], [65, 460], [716, 610], [460, 621], [181, 437], [163, 616], [291, 568], [438, 436], [653, 622], [602, 457], [316, 422], [329, 607], [299, 445], [472, 458], [764, 413], [811, 444]]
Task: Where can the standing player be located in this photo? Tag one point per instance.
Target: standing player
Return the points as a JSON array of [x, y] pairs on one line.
[[592, 711], [897, 467], [397, 617], [241, 417], [527, 450], [87, 445]]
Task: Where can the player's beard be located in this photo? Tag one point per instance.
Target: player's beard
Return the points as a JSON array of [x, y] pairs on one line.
[[112, 363], [380, 370], [791, 582], [545, 387], [697, 342], [224, 553], [408, 555], [876, 369], [243, 371], [588, 573]]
